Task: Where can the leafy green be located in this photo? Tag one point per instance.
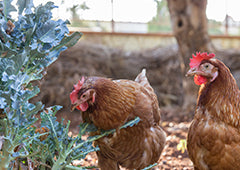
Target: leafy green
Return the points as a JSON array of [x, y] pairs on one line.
[[25, 5], [7, 7], [150, 166], [27, 46]]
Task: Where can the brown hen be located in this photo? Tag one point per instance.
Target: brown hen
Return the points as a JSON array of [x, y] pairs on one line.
[[214, 135], [109, 104]]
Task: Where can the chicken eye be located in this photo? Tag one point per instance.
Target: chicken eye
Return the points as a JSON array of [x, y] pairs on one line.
[[206, 66], [84, 96]]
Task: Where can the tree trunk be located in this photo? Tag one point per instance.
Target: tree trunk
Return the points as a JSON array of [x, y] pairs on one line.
[[189, 24]]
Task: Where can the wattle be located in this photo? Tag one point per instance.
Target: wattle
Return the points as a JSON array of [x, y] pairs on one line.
[[198, 79], [83, 107]]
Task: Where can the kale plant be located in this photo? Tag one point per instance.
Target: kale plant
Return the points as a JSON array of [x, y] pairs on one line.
[[28, 45]]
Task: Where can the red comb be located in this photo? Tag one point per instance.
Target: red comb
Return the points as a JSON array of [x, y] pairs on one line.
[[77, 87], [196, 59]]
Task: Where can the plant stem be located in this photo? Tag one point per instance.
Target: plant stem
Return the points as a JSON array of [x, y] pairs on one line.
[[5, 161], [70, 167], [57, 165]]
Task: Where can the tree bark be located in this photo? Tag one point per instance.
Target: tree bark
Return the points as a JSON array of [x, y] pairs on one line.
[[189, 24]]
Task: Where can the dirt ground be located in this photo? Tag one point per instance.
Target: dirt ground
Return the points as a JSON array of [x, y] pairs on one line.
[[174, 155]]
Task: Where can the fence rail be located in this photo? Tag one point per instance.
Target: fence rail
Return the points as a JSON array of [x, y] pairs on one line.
[[163, 26], [136, 41]]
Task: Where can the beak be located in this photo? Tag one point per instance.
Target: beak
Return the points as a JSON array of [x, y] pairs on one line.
[[73, 106], [191, 72]]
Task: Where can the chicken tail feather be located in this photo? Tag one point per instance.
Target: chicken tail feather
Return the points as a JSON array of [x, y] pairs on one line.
[[142, 79]]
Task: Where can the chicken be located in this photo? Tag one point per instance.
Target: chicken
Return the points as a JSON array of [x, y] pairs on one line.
[[213, 140], [109, 104]]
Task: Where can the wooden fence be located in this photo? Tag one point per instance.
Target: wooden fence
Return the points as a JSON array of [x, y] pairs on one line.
[[142, 41]]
